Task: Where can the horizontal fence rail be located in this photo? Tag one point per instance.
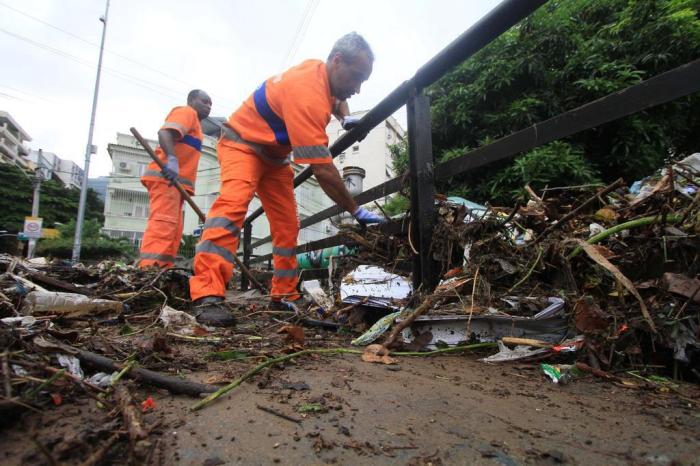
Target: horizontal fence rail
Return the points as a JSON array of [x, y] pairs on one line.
[[661, 89]]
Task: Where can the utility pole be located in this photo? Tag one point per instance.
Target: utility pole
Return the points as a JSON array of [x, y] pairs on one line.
[[89, 149], [36, 184]]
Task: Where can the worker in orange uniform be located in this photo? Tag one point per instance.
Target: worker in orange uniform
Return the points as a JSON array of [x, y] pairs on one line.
[[286, 113], [180, 146]]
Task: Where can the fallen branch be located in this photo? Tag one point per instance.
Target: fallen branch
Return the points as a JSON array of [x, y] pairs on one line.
[[420, 310], [56, 283], [138, 434], [172, 384], [251, 372], [562, 221]]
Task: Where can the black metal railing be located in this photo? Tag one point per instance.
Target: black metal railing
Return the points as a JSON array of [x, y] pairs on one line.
[[668, 86]]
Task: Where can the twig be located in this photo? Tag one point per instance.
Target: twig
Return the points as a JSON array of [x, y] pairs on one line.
[[529, 272], [100, 452], [131, 416], [18, 403], [578, 209], [692, 297], [410, 241], [6, 374], [420, 310], [44, 451], [198, 339], [278, 414], [32, 394], [471, 307], [386, 216], [566, 188]]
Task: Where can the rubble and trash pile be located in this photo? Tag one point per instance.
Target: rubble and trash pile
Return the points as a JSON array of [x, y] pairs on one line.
[[607, 272]]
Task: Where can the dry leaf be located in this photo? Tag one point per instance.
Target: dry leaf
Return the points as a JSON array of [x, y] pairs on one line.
[[295, 335], [603, 262], [378, 353], [589, 316]]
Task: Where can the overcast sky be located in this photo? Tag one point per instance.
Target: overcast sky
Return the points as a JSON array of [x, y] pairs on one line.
[[157, 50]]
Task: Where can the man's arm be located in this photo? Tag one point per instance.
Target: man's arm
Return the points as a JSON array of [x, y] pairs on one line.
[[332, 184], [167, 139]]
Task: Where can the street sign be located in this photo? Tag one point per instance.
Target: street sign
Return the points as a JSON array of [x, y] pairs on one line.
[[32, 227]]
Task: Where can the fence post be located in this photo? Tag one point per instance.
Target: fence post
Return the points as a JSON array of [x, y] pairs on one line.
[[420, 154], [247, 239]]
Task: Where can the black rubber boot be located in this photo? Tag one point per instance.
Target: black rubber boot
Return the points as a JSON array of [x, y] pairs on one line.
[[211, 310]]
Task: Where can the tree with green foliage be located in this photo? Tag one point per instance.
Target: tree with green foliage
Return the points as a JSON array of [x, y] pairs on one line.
[[568, 53], [94, 246], [57, 204]]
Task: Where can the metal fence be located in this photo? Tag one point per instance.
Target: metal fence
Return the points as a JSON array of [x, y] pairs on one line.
[[423, 173]]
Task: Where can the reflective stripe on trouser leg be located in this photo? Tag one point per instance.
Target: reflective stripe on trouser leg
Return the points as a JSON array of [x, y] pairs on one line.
[[276, 192], [213, 261], [164, 228]]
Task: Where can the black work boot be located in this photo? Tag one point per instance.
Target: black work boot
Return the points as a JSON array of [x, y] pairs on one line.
[[211, 310]]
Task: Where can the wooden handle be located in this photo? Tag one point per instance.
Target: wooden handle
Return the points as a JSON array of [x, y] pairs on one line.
[[190, 201], [526, 342]]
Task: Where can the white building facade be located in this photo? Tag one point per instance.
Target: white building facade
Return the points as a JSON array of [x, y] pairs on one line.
[[52, 166], [372, 153], [12, 139]]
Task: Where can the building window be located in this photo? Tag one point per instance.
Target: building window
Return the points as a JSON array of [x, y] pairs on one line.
[[356, 148], [341, 157]]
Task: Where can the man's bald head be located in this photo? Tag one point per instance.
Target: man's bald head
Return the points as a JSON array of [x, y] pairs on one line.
[[200, 101]]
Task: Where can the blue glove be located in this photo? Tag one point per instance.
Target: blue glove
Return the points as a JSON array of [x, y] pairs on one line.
[[349, 122], [365, 217], [171, 169]]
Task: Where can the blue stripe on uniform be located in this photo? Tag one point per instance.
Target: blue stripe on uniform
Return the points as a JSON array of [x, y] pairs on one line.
[[273, 121], [192, 142]]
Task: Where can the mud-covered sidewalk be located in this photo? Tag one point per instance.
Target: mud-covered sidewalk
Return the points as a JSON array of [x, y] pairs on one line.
[[438, 410]]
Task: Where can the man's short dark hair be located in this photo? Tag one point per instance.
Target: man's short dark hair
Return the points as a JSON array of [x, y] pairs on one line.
[[350, 46], [194, 93]]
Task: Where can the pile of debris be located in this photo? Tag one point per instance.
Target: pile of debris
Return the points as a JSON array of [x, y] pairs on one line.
[[606, 272]]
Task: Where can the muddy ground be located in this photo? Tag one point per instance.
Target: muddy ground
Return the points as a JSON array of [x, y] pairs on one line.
[[438, 410]]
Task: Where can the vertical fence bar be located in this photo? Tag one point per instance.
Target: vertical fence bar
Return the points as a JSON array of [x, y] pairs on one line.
[[420, 154], [247, 240]]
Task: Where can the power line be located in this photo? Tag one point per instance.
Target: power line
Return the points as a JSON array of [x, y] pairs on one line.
[[126, 77], [303, 26], [124, 57]]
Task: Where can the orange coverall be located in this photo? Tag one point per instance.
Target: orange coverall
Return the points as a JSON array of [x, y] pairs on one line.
[[161, 239], [287, 113]]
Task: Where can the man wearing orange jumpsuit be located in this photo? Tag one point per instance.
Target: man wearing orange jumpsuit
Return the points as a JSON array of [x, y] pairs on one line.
[[287, 113], [180, 145]]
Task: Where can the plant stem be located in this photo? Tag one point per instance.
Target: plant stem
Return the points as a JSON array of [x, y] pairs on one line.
[[640, 222]]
